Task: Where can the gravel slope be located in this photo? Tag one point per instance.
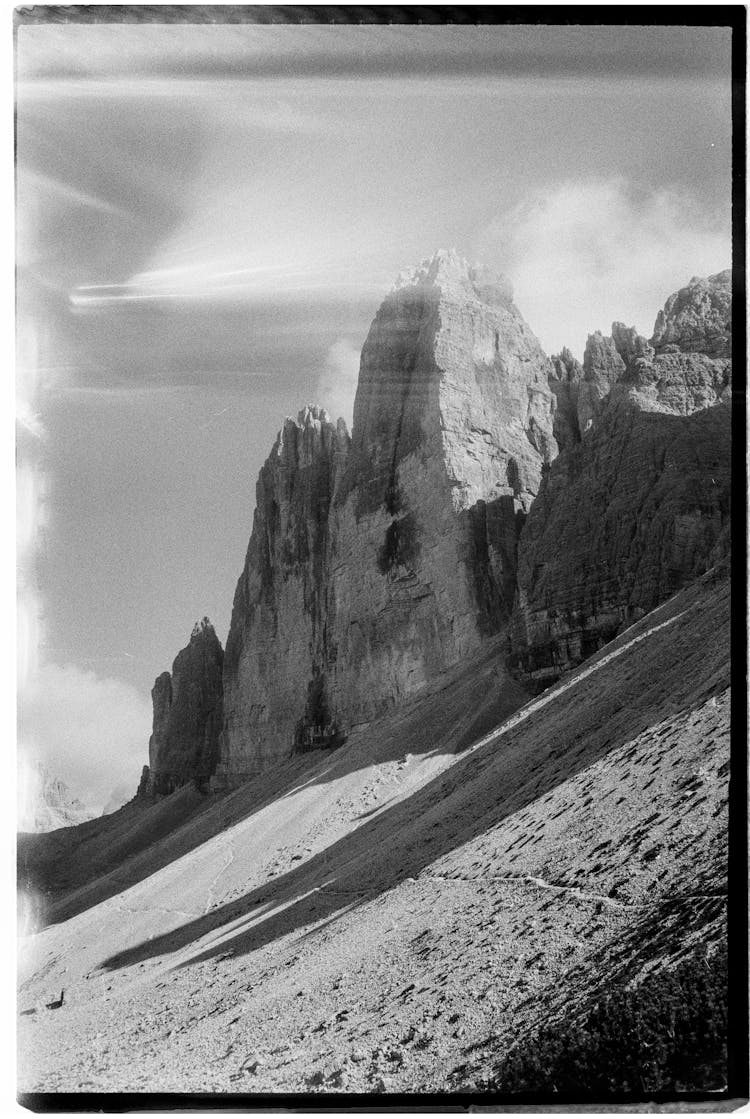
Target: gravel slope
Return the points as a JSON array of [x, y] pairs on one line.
[[393, 915]]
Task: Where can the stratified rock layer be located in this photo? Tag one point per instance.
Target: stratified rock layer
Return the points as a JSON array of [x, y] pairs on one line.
[[638, 502], [376, 564], [183, 747]]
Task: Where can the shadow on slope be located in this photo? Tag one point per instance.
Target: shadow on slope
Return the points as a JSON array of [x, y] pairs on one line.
[[672, 660], [77, 868]]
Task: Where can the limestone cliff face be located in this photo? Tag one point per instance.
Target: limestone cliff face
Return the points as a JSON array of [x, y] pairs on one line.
[[187, 716], [277, 649], [452, 426], [379, 560], [375, 564], [698, 318], [637, 503], [565, 383]]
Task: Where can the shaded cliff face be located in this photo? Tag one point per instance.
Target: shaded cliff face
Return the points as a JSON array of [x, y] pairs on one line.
[[638, 501], [274, 694], [187, 716], [377, 563]]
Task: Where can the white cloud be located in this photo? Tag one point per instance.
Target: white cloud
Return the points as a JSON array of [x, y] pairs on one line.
[[90, 731], [583, 254], [338, 381], [119, 796]]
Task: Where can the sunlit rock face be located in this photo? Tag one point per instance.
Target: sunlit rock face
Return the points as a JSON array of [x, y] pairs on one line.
[[698, 318], [452, 424], [183, 747], [377, 563], [638, 501]]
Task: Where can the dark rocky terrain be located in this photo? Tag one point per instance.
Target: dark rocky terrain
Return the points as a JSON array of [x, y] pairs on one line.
[[187, 716], [370, 852]]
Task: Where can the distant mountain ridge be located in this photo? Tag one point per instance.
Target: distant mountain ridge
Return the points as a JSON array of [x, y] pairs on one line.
[[486, 491], [47, 803]]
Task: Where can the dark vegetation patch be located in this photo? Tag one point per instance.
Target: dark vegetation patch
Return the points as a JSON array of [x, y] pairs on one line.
[[668, 1034]]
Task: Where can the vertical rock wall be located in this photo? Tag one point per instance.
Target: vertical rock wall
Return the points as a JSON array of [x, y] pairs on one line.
[[274, 676], [452, 425], [639, 502], [187, 716], [378, 561], [376, 564]]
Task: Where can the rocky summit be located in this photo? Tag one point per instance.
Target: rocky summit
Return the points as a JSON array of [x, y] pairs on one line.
[[485, 491], [380, 560], [187, 716], [638, 501]]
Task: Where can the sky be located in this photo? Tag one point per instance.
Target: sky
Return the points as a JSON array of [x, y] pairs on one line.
[[208, 217]]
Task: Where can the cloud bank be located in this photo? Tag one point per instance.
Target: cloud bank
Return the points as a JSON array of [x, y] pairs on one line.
[[90, 731], [583, 254]]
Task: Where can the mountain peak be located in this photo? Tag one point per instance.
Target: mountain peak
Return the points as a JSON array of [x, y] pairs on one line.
[[697, 318], [203, 630], [312, 415], [455, 275]]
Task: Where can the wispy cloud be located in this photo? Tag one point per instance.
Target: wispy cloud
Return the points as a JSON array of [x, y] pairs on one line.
[[214, 280], [583, 254], [338, 381]]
